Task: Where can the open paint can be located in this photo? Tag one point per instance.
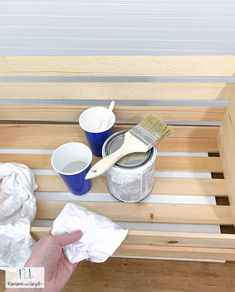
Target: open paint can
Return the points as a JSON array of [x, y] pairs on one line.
[[131, 178]]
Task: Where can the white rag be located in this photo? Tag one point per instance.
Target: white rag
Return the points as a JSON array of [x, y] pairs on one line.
[[16, 214], [100, 236]]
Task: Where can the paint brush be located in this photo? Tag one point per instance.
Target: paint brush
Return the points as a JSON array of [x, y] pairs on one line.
[[138, 139]]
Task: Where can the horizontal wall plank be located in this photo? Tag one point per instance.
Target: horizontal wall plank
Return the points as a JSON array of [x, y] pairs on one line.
[[180, 239], [161, 213], [97, 21], [104, 51], [171, 245], [187, 163], [126, 250], [178, 131], [116, 90], [155, 238], [162, 186], [118, 66], [122, 113], [115, 43], [143, 33], [164, 163], [39, 136], [116, 9]]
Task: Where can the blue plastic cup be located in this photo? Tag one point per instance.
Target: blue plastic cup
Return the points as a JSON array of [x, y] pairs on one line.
[[91, 122], [73, 161]]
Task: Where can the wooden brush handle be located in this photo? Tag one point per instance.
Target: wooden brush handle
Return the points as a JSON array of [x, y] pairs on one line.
[[130, 145], [105, 164]]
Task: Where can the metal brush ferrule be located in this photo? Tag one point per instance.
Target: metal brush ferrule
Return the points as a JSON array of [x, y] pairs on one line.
[[144, 136]]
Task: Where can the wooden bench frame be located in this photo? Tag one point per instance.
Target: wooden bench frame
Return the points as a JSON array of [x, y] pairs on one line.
[[43, 115]]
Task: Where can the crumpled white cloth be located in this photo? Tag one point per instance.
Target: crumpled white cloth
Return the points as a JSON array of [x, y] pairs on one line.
[[16, 214], [100, 236]]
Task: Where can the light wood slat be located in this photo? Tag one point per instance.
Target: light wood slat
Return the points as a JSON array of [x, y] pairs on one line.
[[188, 145], [117, 90], [37, 231], [122, 113], [162, 186], [41, 136], [155, 238], [180, 239], [187, 163], [189, 245], [117, 66], [178, 131], [185, 186], [164, 163], [188, 131], [184, 131], [141, 212], [226, 141], [126, 250]]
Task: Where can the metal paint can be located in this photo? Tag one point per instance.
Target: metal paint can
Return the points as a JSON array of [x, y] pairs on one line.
[[131, 178]]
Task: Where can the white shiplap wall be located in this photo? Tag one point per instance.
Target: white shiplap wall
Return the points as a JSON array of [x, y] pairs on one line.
[[124, 27]]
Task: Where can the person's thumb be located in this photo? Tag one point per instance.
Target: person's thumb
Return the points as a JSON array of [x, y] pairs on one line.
[[67, 238]]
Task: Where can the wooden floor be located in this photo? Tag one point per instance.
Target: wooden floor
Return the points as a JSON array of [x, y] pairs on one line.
[[150, 275]]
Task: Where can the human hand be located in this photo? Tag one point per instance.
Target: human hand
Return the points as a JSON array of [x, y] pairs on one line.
[[48, 253]]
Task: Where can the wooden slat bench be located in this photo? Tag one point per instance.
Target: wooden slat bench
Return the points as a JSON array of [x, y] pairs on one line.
[[190, 193]]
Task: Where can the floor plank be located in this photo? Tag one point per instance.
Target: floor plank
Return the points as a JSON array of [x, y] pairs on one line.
[[127, 275]]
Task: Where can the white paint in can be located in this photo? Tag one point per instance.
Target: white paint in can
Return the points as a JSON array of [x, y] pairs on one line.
[[131, 184]]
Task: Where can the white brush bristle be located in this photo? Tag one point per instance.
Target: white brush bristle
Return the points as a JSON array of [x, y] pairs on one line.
[[150, 130], [155, 126]]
